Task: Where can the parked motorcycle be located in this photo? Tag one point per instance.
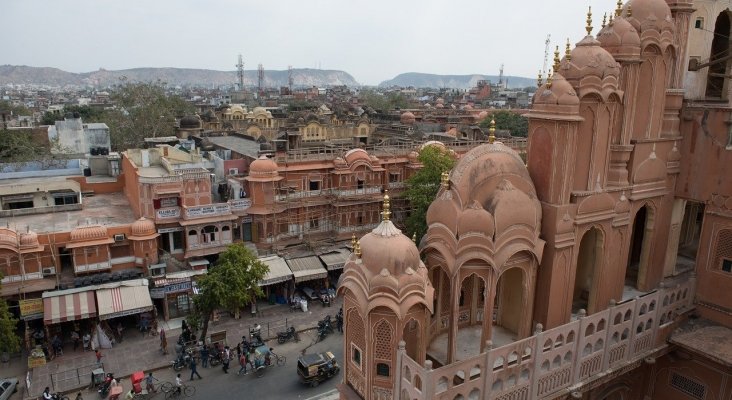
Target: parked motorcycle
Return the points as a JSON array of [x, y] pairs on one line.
[[255, 334], [183, 360], [324, 328], [103, 388], [285, 336], [58, 396]]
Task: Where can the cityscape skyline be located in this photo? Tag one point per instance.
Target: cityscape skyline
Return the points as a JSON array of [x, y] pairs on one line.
[[382, 41]]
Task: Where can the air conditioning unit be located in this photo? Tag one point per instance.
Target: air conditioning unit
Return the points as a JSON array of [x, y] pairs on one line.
[[49, 271], [233, 171], [119, 237], [157, 269]]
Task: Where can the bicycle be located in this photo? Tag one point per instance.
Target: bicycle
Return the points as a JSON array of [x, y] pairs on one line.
[[185, 391]]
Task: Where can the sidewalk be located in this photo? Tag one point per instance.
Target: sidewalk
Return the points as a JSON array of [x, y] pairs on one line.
[[73, 370]]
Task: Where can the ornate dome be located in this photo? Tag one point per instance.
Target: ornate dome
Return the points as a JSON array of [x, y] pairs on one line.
[[89, 232], [386, 247], [143, 227], [561, 93], [190, 122], [440, 105], [440, 100], [355, 155], [407, 118], [512, 207], [589, 59], [413, 157], [263, 167], [620, 39], [481, 116], [29, 239], [475, 219], [8, 238], [444, 210], [649, 15]]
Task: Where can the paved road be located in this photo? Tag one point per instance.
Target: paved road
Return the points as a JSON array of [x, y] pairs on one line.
[[280, 382]]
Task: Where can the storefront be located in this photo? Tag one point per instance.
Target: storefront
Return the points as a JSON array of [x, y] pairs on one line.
[[66, 311], [31, 313], [334, 262], [308, 271], [277, 284], [173, 295], [123, 305]]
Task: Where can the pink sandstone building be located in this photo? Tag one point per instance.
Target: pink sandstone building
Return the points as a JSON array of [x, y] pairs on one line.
[[597, 270]]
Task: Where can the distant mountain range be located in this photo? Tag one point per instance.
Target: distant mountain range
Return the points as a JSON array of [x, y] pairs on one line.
[[174, 76], [420, 80]]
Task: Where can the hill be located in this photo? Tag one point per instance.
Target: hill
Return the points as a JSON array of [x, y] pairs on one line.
[[417, 79], [173, 76]]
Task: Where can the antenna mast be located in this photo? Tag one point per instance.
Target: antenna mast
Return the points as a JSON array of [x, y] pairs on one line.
[[260, 79], [500, 76], [289, 77], [546, 54], [240, 72]]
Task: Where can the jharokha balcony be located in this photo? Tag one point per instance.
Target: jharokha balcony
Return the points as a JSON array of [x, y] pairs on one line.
[[559, 361]]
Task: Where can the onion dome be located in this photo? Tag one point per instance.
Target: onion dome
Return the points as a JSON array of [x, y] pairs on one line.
[[355, 155], [190, 122], [8, 239], [407, 118], [29, 239], [481, 116], [427, 105], [444, 210], [512, 207], [88, 232], [588, 59], [556, 97], [143, 229], [440, 100], [262, 169], [648, 15], [620, 39], [475, 219]]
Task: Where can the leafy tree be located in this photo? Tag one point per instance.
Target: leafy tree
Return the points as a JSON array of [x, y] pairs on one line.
[[383, 102], [19, 147], [9, 340], [87, 114], [15, 110], [143, 110], [517, 124], [422, 187], [232, 284]]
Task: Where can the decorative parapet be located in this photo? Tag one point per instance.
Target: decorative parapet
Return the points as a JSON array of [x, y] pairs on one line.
[[551, 362]]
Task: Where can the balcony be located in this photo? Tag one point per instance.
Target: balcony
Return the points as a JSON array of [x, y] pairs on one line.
[[356, 192], [552, 363], [39, 210], [93, 267]]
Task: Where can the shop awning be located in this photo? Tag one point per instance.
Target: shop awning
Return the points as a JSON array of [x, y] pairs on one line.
[[123, 300], [335, 259], [66, 305], [278, 271], [307, 268]]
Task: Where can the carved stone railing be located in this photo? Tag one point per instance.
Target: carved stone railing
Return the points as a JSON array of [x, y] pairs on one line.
[[551, 361]]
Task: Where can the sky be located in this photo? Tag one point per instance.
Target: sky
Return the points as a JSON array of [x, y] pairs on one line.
[[372, 40]]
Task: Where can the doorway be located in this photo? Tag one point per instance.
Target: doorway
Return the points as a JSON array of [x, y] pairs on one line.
[[508, 310], [589, 258]]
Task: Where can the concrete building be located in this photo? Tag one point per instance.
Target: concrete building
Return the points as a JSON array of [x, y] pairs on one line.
[[599, 270]]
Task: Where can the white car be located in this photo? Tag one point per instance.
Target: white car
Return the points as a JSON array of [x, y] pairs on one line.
[[8, 386]]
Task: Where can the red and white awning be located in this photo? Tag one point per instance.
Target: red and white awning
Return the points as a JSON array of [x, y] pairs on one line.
[[123, 300], [69, 307]]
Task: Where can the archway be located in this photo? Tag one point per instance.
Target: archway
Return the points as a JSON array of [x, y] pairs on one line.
[[470, 315], [716, 75], [589, 258], [639, 251], [508, 307], [412, 336]]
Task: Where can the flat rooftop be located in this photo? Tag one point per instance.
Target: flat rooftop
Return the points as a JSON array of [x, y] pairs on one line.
[[705, 337], [237, 144], [153, 171], [111, 209]]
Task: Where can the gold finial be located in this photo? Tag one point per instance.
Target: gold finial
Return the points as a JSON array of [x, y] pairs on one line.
[[556, 58], [357, 249], [445, 180], [353, 241], [618, 9], [604, 20], [414, 237], [539, 79], [492, 130], [567, 52], [549, 80], [589, 21], [629, 13], [386, 213], [611, 19]]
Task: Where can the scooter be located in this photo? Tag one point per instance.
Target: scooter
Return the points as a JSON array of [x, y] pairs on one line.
[[104, 387], [255, 334], [290, 333]]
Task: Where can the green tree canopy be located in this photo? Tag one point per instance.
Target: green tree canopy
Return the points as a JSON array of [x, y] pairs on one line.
[[517, 124], [383, 102], [143, 110], [87, 114], [9, 340], [15, 110], [422, 187], [231, 284]]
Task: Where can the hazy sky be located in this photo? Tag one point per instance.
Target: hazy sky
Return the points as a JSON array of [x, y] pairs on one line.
[[373, 40]]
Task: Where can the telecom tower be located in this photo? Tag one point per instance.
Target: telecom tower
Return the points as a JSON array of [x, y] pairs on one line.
[[500, 77], [240, 72], [260, 79], [289, 78]]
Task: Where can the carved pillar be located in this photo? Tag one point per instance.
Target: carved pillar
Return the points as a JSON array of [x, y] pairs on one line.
[[454, 315], [488, 302]]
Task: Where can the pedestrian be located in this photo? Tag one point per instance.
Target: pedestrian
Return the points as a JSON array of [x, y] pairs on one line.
[[163, 342], [226, 358], [243, 363], [99, 355], [178, 385], [86, 340], [339, 323], [204, 356], [149, 386], [119, 331], [193, 369], [75, 339]]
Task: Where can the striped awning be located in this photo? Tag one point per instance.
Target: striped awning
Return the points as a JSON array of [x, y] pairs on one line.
[[278, 271], [307, 268], [123, 300], [69, 307], [335, 259]]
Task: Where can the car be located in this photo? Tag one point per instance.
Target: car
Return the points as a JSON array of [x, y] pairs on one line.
[[8, 386], [317, 367]]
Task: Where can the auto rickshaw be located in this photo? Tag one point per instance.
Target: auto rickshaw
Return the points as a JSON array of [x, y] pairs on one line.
[[315, 368]]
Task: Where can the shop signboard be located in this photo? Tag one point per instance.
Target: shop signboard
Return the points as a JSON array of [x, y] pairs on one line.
[[168, 230], [165, 213], [240, 204], [31, 309], [208, 210], [178, 287], [157, 293]]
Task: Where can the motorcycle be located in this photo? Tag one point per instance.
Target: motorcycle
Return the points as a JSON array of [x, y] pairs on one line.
[[255, 335], [285, 336], [183, 360], [103, 388], [58, 396], [324, 328]]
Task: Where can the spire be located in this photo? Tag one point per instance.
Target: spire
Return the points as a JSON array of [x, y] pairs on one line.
[[353, 241], [629, 13], [604, 20], [556, 59], [357, 249], [539, 80], [611, 19], [492, 130], [567, 52], [588, 28], [445, 180], [386, 213], [414, 237], [549, 80], [618, 9]]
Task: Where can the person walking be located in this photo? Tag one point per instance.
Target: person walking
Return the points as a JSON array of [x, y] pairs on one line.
[[99, 356], [225, 359], [178, 385], [243, 363], [149, 385], [75, 339], [194, 371], [86, 340], [204, 356], [163, 342]]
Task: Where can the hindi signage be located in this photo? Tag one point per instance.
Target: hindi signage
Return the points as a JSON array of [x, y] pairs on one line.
[[240, 204], [165, 213], [31, 309]]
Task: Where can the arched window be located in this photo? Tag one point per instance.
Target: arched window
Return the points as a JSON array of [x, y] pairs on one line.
[[716, 74]]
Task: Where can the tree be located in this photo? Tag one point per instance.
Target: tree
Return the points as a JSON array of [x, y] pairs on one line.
[[143, 110], [383, 102], [87, 114], [18, 147], [422, 187], [231, 284], [13, 109], [517, 124], [9, 340]]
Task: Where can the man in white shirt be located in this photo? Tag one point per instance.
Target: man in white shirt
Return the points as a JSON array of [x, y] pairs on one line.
[[178, 384]]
